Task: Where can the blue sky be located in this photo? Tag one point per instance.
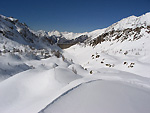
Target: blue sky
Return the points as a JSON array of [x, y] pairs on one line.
[[72, 15]]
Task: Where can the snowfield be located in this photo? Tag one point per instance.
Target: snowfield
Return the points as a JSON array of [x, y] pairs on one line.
[[107, 73], [95, 97], [61, 90]]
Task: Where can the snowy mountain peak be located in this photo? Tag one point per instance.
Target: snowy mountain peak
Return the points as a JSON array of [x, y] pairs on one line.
[[41, 33], [131, 22], [8, 18], [54, 33]]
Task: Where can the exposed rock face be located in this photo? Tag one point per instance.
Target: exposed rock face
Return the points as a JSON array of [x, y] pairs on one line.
[[128, 34]]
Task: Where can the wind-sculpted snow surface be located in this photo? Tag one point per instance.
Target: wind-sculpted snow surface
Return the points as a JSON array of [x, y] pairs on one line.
[[66, 92], [102, 97], [30, 91]]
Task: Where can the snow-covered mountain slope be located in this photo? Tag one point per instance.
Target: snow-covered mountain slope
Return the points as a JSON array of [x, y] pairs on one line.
[[131, 22], [12, 31], [17, 44], [124, 46], [131, 28]]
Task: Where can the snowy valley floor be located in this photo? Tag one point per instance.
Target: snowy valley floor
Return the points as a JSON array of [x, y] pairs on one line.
[[57, 86]]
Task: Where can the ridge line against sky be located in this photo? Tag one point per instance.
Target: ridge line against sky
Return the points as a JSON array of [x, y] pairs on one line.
[[72, 15]]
